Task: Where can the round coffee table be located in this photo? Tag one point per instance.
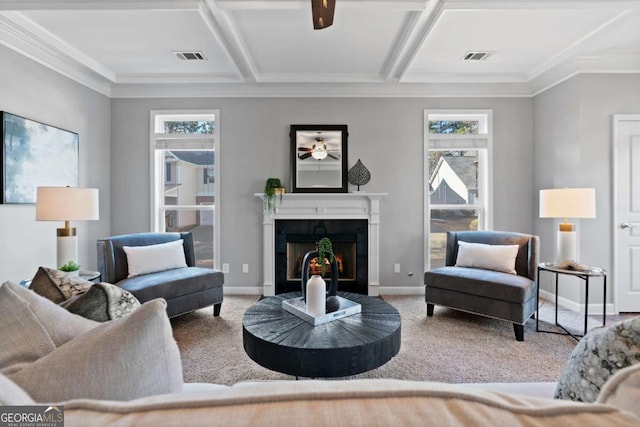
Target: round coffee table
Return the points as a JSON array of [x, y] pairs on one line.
[[280, 341]]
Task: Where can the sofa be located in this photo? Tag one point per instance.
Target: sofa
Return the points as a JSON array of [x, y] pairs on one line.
[[185, 288], [496, 277], [127, 372]]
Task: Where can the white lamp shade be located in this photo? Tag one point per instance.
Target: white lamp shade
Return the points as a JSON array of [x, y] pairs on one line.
[[67, 204], [568, 203]]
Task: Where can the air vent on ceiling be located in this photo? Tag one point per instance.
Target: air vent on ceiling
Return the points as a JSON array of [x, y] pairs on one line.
[[475, 56], [190, 56]]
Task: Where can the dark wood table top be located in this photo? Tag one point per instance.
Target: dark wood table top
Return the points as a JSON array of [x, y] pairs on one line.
[[280, 341]]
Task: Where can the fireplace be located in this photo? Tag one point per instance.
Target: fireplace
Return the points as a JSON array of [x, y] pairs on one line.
[[328, 207], [294, 238]]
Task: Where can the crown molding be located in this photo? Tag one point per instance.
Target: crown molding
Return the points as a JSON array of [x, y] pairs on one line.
[[177, 78], [27, 43], [27, 38], [611, 64], [328, 90]]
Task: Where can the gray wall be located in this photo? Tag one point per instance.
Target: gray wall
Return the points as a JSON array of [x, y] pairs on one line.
[[573, 148], [33, 91], [386, 134], [561, 137]]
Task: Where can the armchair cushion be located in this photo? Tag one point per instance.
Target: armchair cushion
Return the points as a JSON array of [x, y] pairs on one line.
[[487, 257], [486, 283], [154, 258]]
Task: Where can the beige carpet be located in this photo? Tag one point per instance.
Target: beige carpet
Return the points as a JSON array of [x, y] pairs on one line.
[[451, 346]]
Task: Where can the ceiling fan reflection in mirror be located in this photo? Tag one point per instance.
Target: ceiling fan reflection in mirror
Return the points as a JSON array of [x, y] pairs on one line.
[[322, 11], [318, 151]]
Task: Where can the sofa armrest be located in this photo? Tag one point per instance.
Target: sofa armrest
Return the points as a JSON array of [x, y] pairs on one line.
[[542, 389]]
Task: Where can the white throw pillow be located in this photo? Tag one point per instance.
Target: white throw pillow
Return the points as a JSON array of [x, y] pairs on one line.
[[153, 258], [488, 257]]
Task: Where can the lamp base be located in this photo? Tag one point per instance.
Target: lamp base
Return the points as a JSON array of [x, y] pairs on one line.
[[566, 243], [67, 250]]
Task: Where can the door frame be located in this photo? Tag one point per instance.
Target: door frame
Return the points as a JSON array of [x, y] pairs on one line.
[[615, 121]]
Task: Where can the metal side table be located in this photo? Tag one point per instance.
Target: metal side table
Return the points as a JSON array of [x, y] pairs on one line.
[[584, 274]]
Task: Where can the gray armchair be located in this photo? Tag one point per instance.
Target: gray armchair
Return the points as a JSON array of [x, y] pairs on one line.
[[185, 289], [505, 296]]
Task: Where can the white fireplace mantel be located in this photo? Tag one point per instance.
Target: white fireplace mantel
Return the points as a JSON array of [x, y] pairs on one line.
[[323, 206]]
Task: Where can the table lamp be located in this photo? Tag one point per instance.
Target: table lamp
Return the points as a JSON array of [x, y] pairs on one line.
[[567, 203], [66, 204]]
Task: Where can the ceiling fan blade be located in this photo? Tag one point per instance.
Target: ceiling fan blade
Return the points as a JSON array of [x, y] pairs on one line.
[[304, 156], [332, 156], [322, 11], [304, 149]]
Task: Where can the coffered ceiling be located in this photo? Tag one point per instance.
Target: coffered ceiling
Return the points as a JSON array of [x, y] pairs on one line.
[[374, 48]]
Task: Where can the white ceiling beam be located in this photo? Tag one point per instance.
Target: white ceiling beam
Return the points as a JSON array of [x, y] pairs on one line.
[[541, 4], [391, 60], [573, 49], [32, 5], [421, 29], [225, 31], [304, 4]]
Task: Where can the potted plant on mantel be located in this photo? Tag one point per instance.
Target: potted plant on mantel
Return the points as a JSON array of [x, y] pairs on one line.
[[272, 187]]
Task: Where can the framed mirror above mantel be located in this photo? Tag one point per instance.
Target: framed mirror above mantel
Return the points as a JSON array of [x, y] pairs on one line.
[[318, 158]]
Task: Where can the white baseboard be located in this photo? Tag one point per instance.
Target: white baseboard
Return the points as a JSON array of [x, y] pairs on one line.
[[594, 309], [242, 290], [384, 290], [402, 290]]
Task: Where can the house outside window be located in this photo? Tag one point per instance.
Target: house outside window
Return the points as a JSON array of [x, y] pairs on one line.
[[185, 192], [457, 179]]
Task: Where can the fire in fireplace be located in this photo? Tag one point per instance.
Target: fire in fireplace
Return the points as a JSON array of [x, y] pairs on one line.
[[345, 253], [294, 238]]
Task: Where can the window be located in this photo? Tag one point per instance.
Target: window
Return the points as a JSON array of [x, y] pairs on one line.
[[457, 185], [208, 176], [185, 192]]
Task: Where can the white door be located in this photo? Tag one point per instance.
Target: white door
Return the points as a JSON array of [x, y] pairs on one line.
[[626, 140]]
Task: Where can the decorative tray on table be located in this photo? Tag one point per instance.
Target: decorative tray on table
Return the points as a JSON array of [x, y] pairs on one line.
[[297, 307]]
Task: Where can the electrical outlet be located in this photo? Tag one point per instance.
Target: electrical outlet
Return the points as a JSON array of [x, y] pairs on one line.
[[225, 268], [396, 268], [245, 268]]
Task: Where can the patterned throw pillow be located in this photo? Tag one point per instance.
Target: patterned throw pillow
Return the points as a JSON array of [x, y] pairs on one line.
[[102, 302], [56, 285], [597, 357]]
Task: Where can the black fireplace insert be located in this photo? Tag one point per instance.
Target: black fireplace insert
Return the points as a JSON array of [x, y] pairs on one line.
[[294, 238]]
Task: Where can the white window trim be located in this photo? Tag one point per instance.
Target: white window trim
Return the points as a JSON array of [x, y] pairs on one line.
[[156, 220], [485, 176]]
